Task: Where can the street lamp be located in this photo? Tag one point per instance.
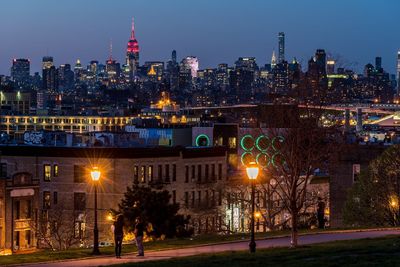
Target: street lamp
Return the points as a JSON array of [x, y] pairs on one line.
[[252, 173], [95, 174]]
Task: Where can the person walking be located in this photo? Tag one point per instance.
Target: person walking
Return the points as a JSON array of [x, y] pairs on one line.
[[139, 231], [118, 234]]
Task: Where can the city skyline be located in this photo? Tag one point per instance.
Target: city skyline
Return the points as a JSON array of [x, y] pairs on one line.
[[161, 30]]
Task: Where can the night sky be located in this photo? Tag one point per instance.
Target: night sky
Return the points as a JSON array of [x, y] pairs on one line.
[[215, 31]]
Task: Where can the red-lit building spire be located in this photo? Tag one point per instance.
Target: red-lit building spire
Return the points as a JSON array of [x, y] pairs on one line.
[[133, 46]]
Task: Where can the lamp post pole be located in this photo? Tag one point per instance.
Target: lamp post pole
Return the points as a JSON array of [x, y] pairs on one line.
[[252, 244], [252, 172], [96, 250], [95, 173]]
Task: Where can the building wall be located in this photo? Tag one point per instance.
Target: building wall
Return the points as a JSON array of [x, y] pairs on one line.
[[352, 159], [118, 167]]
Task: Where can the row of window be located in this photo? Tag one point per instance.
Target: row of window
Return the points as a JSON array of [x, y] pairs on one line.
[[49, 171], [209, 173], [145, 173], [203, 199], [58, 120]]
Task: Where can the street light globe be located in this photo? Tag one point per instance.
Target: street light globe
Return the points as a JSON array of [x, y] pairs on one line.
[[95, 173], [252, 170]]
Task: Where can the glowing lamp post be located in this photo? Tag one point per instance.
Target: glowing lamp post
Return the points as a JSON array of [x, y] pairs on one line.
[[252, 173], [95, 174]]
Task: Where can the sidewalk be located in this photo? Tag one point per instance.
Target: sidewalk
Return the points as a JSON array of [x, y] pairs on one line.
[[216, 248]]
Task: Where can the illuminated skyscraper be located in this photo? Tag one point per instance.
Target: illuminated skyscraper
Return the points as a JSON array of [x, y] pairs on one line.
[[132, 54], [330, 66], [273, 60], [49, 75], [281, 39], [20, 72], [398, 73], [113, 68], [190, 63]]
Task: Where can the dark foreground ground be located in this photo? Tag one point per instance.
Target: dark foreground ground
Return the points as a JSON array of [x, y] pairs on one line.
[[365, 252]]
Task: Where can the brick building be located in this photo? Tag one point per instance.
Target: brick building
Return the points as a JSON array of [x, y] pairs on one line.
[[38, 180]]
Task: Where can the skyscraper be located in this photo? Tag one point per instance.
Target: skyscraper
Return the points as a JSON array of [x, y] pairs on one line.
[[281, 39], [132, 54], [320, 59], [330, 66], [20, 72], [398, 73], [49, 75], [273, 60], [173, 57], [113, 68], [191, 63], [378, 64]]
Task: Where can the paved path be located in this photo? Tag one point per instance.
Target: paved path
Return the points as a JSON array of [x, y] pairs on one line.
[[243, 245]]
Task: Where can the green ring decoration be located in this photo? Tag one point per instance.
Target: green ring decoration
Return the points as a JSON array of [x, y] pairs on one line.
[[258, 143], [243, 140], [202, 136], [243, 155], [268, 159]]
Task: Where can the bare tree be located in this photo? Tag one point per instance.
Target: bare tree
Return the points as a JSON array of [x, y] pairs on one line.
[[306, 147], [58, 229]]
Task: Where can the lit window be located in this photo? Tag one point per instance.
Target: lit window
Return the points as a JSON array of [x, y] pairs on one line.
[[232, 142], [47, 172], [150, 173], [55, 170]]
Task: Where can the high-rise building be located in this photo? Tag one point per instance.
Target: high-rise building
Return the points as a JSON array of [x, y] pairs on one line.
[[273, 60], [78, 69], [191, 63], [20, 72], [65, 78], [132, 54], [316, 76], [47, 62], [173, 72], [247, 63], [378, 64], [173, 57], [398, 73], [281, 43], [49, 75], [330, 66], [154, 70], [320, 59]]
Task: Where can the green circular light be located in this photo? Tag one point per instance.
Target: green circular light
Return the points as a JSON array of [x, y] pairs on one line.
[[277, 156], [266, 159], [243, 144], [246, 155], [259, 141], [200, 137]]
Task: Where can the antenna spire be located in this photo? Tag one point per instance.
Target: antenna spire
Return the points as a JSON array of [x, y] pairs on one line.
[[110, 49], [133, 29]]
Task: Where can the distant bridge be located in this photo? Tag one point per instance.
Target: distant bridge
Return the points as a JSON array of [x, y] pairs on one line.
[[366, 108]]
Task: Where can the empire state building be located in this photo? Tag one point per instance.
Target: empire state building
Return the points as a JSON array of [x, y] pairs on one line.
[[132, 54]]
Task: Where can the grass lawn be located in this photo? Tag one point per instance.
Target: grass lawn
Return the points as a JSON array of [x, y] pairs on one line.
[[47, 255], [365, 252]]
